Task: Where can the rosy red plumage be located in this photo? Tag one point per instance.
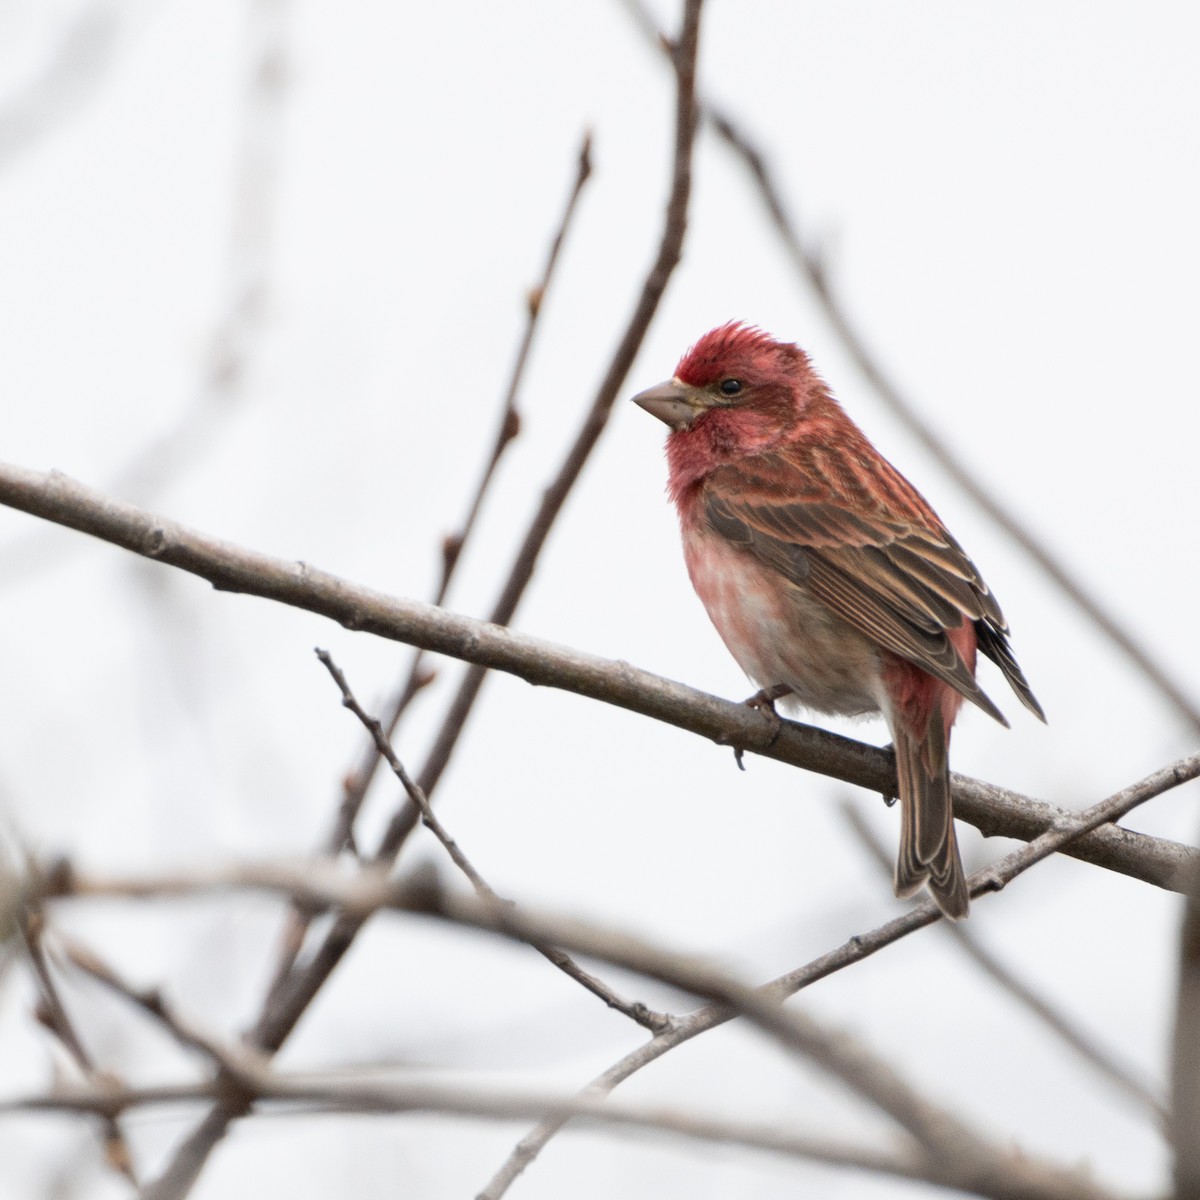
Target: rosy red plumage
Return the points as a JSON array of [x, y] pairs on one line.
[[826, 573]]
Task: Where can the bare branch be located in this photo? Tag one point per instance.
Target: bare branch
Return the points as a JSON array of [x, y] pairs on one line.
[[301, 1094], [279, 1020], [855, 950], [1096, 1056], [52, 1013], [993, 810], [957, 1154], [648, 1019], [237, 1067], [509, 427]]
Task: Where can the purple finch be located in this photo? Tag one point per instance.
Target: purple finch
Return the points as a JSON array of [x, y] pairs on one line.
[[828, 576]]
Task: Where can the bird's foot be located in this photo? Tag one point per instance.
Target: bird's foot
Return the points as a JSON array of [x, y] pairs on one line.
[[763, 701]]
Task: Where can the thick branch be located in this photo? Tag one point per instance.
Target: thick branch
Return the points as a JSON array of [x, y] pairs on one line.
[[994, 811]]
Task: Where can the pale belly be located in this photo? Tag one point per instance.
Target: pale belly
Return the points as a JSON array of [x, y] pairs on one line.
[[780, 635]]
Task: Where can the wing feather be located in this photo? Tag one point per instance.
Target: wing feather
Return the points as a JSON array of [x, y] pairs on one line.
[[901, 583]]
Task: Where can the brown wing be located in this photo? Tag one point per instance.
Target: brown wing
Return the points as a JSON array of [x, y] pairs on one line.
[[902, 583]]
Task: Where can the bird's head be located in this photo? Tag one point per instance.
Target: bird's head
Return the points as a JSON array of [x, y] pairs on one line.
[[740, 388]]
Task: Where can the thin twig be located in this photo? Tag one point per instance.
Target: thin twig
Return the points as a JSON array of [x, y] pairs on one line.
[[957, 1152], [811, 268], [358, 782], [1067, 1030], [276, 1023], [237, 1068], [291, 1094], [369, 892], [509, 427], [384, 751], [52, 1013], [855, 950], [993, 810], [655, 1022]]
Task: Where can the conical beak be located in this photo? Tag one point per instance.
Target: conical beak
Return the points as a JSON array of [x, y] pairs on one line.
[[671, 402]]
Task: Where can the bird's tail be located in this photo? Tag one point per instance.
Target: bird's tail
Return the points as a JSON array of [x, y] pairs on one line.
[[928, 847]]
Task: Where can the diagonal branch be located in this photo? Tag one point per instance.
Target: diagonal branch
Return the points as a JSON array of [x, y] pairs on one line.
[[358, 782], [1067, 1030], [683, 58], [509, 427], [277, 1021], [654, 1021], [993, 810], [961, 1156], [52, 1013], [855, 950]]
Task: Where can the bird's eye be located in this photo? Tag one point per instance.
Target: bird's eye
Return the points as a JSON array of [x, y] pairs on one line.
[[730, 387]]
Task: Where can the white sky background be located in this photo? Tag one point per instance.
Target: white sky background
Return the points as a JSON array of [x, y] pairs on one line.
[[1006, 195]]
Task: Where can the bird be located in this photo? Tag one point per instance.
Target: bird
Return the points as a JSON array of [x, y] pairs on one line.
[[828, 576]]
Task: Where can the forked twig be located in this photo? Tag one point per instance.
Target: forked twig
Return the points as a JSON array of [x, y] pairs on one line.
[[1096, 1056], [656, 1022], [52, 1013], [236, 1067], [358, 782]]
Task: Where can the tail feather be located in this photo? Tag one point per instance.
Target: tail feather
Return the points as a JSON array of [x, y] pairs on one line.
[[928, 846]]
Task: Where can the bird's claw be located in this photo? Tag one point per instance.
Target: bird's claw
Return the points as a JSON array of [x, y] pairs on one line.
[[763, 701]]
